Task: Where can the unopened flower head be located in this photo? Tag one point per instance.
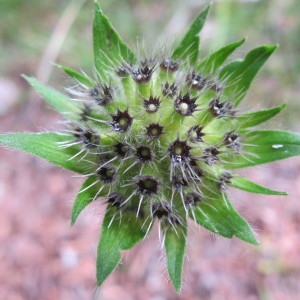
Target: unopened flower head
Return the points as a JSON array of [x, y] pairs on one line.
[[148, 131], [158, 138]]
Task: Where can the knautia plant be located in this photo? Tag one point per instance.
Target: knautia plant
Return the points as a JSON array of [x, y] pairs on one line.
[[159, 138]]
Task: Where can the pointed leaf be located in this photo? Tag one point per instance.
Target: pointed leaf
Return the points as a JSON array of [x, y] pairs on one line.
[[258, 117], [210, 64], [45, 145], [108, 46], [219, 216], [117, 235], [212, 223], [85, 196], [61, 103], [238, 75], [239, 225], [249, 186], [175, 251], [185, 48], [263, 146], [77, 76], [193, 51]]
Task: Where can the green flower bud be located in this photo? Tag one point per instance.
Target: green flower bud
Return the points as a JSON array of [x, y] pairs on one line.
[[158, 139]]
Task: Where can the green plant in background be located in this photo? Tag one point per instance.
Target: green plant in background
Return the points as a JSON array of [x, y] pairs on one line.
[[158, 137]]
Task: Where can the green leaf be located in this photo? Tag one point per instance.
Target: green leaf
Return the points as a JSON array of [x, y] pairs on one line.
[[238, 75], [85, 196], [108, 46], [61, 103], [193, 51], [45, 145], [77, 76], [249, 186], [263, 146], [175, 243], [188, 43], [120, 235], [258, 117], [210, 64], [219, 216]]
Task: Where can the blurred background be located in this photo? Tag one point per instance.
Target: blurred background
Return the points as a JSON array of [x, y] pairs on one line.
[[41, 256]]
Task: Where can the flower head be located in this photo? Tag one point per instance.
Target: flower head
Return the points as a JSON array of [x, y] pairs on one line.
[[158, 139]]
